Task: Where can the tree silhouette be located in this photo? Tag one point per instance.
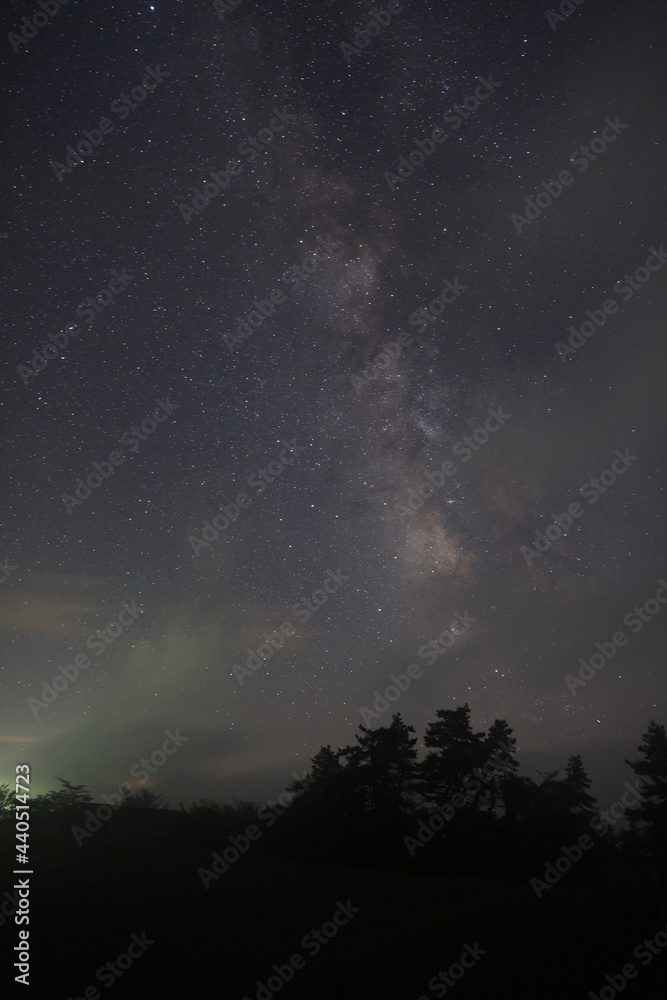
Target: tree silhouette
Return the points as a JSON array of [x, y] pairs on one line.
[[365, 803], [575, 788], [326, 763], [651, 816], [457, 753], [324, 787], [66, 797], [500, 748], [520, 799], [381, 767], [7, 799], [328, 807], [142, 798]]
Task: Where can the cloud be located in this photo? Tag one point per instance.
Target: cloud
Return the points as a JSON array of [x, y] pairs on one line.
[[54, 604]]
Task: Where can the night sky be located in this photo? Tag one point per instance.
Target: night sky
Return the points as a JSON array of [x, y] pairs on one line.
[[173, 274]]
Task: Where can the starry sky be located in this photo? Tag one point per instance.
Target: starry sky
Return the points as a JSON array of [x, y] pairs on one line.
[[173, 272]]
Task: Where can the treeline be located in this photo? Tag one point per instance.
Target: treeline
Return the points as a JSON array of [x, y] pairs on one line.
[[70, 796], [462, 807]]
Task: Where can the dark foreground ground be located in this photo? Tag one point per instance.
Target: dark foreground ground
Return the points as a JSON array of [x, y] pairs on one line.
[[87, 902]]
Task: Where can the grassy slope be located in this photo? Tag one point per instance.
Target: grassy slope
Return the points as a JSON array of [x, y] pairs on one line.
[[219, 941]]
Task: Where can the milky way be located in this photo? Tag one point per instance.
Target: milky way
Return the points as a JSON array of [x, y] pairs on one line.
[[354, 259]]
